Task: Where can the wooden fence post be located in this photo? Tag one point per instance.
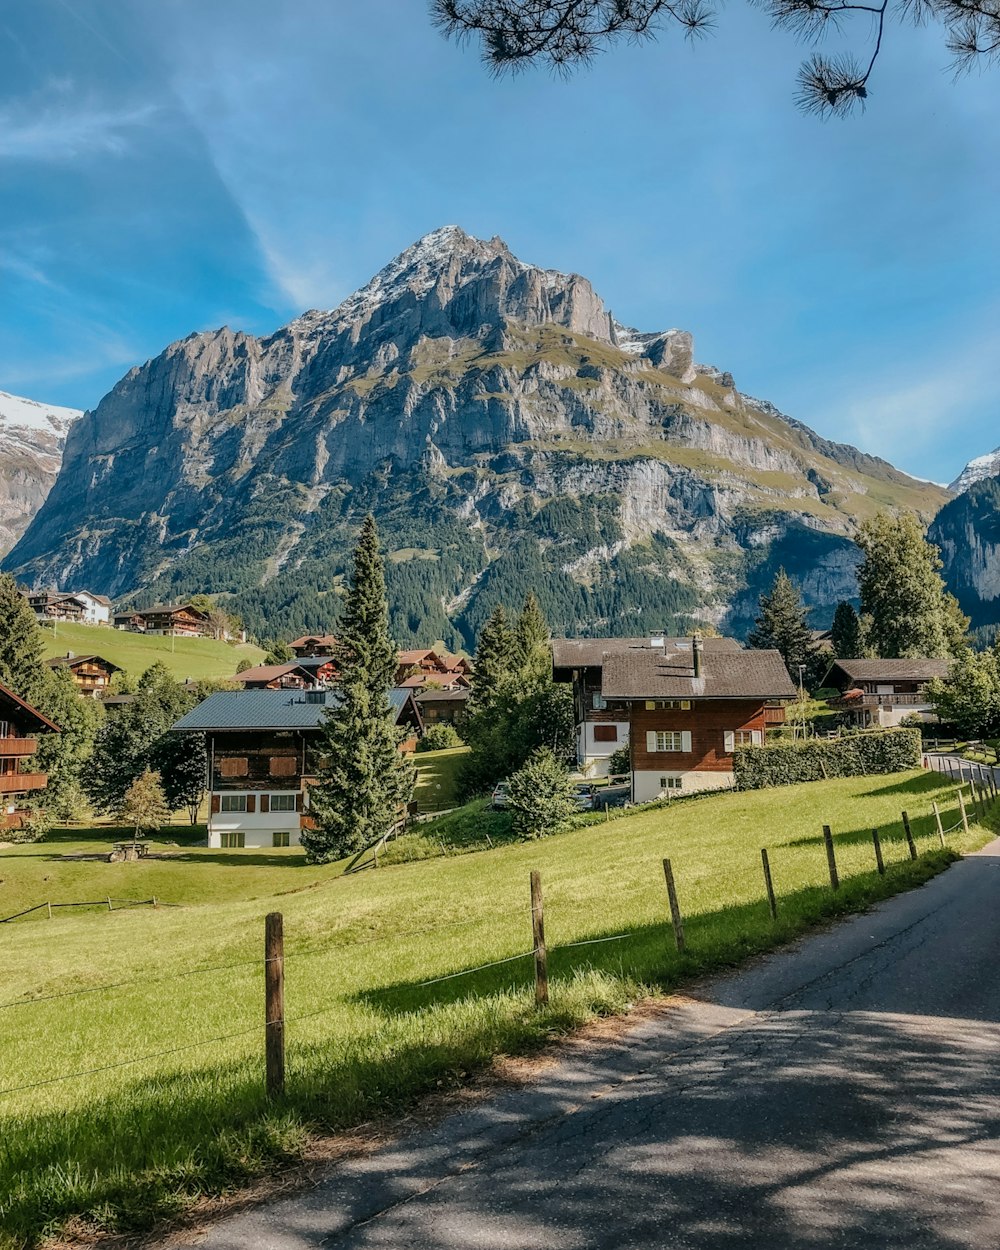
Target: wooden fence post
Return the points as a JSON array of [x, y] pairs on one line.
[[879, 861], [274, 1004], [961, 808], [675, 911], [538, 937], [937, 821], [911, 846], [110, 908], [49, 906], [831, 858], [771, 902]]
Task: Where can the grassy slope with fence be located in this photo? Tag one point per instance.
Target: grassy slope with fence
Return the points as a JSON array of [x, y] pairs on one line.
[[385, 996]]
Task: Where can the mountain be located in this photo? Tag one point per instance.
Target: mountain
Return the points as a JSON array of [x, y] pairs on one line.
[[976, 471], [32, 436], [968, 532], [508, 432]]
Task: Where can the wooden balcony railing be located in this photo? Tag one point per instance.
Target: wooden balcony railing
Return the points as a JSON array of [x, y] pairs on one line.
[[18, 747], [20, 783]]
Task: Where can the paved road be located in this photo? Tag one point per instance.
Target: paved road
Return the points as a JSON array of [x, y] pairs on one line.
[[844, 1093]]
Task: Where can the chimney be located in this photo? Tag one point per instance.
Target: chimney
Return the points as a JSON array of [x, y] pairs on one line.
[[657, 640], [696, 654]]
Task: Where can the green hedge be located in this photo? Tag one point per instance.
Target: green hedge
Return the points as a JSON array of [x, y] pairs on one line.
[[857, 755]]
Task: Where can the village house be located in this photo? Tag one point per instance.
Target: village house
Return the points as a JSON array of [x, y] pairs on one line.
[[683, 705], [20, 725], [311, 645], [442, 705], [96, 608], [92, 673], [293, 675], [180, 619], [883, 692], [51, 605], [262, 758]]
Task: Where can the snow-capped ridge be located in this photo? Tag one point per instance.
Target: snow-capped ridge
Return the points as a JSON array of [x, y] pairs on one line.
[[976, 470], [18, 413]]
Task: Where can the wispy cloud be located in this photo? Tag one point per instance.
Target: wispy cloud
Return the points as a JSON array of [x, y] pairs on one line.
[[68, 129]]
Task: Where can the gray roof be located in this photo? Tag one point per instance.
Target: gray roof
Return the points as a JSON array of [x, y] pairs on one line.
[[269, 709], [435, 693], [591, 652], [725, 674], [918, 669]]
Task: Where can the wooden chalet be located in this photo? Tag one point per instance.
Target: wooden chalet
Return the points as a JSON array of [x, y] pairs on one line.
[[883, 692], [51, 605], [442, 705], [262, 757], [180, 619], [683, 705], [294, 675], [311, 645], [20, 725], [92, 673]]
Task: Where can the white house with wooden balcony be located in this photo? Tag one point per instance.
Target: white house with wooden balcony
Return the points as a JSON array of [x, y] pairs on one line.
[[882, 693], [20, 725]]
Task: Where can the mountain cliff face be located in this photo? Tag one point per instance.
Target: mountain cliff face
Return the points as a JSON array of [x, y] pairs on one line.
[[968, 532], [31, 444], [507, 431]]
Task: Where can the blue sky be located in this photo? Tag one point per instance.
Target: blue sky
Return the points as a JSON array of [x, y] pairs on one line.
[[167, 167]]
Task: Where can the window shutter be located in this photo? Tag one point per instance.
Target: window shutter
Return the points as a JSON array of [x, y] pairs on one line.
[[265, 803], [757, 737], [251, 803], [686, 741], [650, 739], [730, 741], [216, 804], [298, 802]]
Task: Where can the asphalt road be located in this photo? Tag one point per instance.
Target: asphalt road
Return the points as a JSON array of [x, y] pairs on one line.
[[843, 1093]]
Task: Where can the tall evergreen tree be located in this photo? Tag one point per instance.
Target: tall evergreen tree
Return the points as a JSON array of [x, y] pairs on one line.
[[532, 637], [846, 632], [781, 626], [363, 781], [496, 658], [904, 606], [21, 666]]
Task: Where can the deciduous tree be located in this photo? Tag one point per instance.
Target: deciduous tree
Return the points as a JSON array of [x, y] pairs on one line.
[[144, 806]]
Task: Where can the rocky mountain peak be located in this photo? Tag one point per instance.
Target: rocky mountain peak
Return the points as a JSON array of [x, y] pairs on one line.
[[976, 471], [32, 437]]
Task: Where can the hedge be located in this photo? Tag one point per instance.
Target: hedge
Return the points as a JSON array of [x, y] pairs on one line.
[[856, 755]]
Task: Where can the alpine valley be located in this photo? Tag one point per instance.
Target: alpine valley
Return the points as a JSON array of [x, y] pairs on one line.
[[507, 431]]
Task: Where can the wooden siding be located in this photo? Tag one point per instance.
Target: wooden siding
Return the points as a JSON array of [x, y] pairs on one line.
[[273, 761], [707, 723]]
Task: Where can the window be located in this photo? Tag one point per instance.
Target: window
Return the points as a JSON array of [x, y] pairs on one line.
[[670, 783], [234, 803], [234, 766], [605, 733], [283, 765], [279, 839], [668, 705], [4, 729], [734, 738], [283, 802], [231, 840], [668, 740], [599, 702]]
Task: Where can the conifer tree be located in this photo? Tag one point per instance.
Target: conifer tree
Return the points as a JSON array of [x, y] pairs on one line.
[[363, 781], [781, 626], [496, 658], [904, 606], [21, 666], [846, 632], [532, 638]]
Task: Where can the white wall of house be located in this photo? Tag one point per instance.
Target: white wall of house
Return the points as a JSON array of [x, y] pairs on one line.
[[658, 784], [891, 717], [258, 828], [593, 755], [94, 612]]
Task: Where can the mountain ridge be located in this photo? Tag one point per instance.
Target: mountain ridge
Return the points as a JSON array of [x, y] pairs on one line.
[[32, 436]]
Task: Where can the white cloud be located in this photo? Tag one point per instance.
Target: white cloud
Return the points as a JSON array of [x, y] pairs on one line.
[[69, 129]]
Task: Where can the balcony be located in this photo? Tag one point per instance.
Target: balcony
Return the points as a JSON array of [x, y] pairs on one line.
[[21, 783], [16, 747], [889, 700]]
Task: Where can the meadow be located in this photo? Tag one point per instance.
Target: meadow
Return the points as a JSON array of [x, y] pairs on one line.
[[197, 658], [158, 1013]]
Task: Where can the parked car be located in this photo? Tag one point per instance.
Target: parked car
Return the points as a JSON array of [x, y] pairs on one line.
[[501, 797], [585, 796], [615, 796]]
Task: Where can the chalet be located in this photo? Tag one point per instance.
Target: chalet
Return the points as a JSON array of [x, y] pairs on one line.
[[50, 605], [180, 619], [310, 645], [883, 692], [290, 676], [262, 756], [96, 608], [442, 706], [129, 620], [20, 724], [682, 704], [92, 673]]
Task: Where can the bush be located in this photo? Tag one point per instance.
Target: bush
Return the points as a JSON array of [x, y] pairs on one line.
[[439, 738], [541, 796], [620, 761], [857, 755], [35, 824]]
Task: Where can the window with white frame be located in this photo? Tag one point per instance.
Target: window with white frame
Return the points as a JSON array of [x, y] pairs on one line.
[[670, 783], [232, 840], [599, 702], [734, 738], [283, 802], [668, 740], [234, 803]]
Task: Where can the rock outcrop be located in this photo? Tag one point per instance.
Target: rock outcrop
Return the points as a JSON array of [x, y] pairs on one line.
[[32, 436]]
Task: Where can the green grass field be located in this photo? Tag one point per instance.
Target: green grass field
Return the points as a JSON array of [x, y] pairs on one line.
[[437, 777], [136, 1139], [196, 658]]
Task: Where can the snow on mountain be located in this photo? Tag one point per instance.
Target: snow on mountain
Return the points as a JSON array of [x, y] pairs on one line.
[[976, 470], [32, 438], [29, 414]]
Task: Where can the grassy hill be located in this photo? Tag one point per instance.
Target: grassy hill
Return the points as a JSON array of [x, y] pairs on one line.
[[185, 657], [167, 1004]]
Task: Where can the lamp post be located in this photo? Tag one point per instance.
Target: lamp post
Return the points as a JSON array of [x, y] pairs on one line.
[[802, 698]]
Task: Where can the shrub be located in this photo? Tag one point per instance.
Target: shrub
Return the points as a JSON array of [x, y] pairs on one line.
[[861, 754], [541, 796], [439, 738], [620, 761], [35, 824]]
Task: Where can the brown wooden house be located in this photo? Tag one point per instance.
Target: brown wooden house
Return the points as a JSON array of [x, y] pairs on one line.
[[682, 704], [314, 645], [51, 605], [92, 673], [20, 725], [180, 619], [883, 692]]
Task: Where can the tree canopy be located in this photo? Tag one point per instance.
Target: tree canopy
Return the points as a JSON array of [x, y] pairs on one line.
[[563, 34]]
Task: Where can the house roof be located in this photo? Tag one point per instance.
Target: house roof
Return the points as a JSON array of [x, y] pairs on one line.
[[269, 709], [418, 655], [314, 661], [435, 694], [918, 669], [269, 672], [572, 653], [96, 598], [328, 640], [32, 713], [71, 661], [55, 596], [648, 673], [164, 609]]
